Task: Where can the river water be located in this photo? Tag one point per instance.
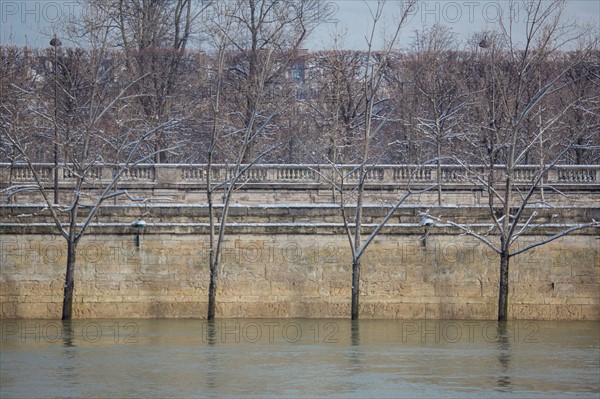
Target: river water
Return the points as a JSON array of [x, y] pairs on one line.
[[299, 358]]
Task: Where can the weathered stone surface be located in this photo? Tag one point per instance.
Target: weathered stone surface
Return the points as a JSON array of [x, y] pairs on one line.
[[281, 270]]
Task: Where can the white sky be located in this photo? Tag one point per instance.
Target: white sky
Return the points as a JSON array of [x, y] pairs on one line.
[[464, 17], [27, 22]]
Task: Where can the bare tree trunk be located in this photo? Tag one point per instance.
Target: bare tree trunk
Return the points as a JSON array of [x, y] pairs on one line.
[[503, 291], [213, 259], [212, 292], [67, 310], [439, 172], [355, 288]]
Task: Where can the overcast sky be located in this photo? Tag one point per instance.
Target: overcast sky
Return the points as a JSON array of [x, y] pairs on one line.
[[464, 17], [29, 22]]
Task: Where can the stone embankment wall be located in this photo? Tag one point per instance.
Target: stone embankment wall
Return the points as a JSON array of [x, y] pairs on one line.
[[293, 262]]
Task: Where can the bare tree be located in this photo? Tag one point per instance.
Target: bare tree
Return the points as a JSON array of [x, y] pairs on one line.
[[91, 89], [261, 38], [266, 36], [368, 113], [154, 35], [581, 82], [17, 79], [339, 74], [441, 87], [517, 90]]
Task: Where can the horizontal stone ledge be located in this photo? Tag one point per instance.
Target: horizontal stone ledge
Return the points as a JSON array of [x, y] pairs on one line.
[[278, 228], [31, 213], [306, 186]]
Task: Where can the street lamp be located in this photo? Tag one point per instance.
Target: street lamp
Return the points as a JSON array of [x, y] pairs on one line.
[[138, 225], [55, 42], [428, 223]]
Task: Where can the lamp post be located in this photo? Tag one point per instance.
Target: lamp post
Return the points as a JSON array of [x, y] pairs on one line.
[[428, 223], [138, 225], [55, 42]]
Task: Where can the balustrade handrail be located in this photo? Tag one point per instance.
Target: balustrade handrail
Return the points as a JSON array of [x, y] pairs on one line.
[[301, 173], [308, 165]]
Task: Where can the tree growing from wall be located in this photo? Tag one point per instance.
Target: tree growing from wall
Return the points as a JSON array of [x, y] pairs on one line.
[[253, 45], [366, 109], [91, 87], [517, 91]]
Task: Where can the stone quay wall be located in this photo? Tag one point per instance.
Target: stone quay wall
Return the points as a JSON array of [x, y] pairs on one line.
[[294, 261]]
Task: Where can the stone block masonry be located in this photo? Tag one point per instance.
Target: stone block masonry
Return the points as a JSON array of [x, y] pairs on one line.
[[276, 269]]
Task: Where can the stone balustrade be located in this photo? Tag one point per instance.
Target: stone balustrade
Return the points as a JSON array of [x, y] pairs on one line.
[[565, 185], [170, 174]]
